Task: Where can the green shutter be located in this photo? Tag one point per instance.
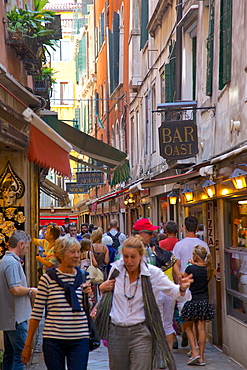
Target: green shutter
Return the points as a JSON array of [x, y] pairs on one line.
[[170, 72], [225, 43], [210, 51], [81, 60], [144, 22], [77, 117]]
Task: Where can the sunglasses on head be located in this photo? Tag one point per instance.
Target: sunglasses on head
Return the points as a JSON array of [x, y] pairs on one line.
[[72, 224], [147, 232]]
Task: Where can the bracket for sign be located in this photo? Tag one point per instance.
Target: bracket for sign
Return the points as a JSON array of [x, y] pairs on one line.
[[180, 107]]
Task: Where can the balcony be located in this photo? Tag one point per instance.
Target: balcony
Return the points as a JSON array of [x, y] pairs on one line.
[[28, 49]]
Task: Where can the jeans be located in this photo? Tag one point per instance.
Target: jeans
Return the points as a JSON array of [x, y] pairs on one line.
[[14, 341], [56, 350]]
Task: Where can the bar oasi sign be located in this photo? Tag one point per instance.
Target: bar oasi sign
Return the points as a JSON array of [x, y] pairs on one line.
[[178, 139]]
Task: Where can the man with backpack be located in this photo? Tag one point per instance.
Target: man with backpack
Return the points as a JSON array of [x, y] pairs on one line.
[[117, 237]]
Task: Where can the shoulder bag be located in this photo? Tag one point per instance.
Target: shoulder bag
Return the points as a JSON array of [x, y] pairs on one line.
[[96, 275], [94, 339]]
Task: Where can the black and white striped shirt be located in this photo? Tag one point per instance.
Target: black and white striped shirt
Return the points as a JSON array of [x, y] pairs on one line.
[[61, 322]]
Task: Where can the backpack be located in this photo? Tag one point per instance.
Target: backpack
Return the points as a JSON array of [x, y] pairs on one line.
[[164, 259], [116, 242]]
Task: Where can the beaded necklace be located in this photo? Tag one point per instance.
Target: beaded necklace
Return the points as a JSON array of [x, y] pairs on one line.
[[126, 296]]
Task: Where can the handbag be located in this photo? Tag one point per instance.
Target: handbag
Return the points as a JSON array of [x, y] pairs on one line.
[[96, 275], [94, 339]]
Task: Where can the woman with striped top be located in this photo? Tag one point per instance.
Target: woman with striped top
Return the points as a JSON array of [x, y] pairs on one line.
[[60, 291]]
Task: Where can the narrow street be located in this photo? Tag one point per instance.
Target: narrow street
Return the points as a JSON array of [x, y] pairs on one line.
[[98, 359]]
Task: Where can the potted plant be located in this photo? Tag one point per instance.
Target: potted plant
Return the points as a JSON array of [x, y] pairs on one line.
[[30, 26]]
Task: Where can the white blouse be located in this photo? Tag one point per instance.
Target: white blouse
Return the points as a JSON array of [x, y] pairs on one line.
[[124, 311]]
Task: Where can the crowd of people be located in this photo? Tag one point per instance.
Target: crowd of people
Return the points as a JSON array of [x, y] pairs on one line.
[[147, 278]]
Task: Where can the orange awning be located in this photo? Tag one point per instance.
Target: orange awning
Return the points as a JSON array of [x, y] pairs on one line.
[[47, 148], [46, 153]]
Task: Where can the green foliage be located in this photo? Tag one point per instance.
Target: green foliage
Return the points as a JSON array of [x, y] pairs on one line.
[[32, 23], [48, 72]]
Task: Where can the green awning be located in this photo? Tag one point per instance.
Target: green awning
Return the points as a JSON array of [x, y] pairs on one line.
[[93, 148]]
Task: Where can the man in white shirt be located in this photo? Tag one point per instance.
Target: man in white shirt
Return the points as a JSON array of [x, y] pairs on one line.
[[117, 237], [184, 248]]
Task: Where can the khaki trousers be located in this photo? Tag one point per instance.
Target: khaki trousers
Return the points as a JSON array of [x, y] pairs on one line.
[[130, 347]]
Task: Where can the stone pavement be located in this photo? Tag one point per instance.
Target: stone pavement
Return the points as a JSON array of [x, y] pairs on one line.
[[98, 359]]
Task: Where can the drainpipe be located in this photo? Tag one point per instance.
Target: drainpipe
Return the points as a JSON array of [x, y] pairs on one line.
[[178, 78]]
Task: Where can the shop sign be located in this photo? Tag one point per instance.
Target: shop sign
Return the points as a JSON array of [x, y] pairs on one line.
[[93, 207], [210, 220], [90, 178], [75, 188], [178, 139]]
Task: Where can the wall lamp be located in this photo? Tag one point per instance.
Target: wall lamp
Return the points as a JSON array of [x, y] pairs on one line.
[[188, 194], [209, 188], [129, 200], [238, 178], [173, 196]]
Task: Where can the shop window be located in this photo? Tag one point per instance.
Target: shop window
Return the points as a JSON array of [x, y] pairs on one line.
[[236, 258]]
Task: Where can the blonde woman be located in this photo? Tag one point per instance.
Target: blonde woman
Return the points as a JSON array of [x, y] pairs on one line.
[[128, 315], [100, 251], [199, 309]]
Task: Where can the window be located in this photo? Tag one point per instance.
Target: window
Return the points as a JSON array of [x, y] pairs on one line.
[[63, 93], [62, 53], [153, 129], [236, 259], [144, 22], [210, 50], [225, 43]]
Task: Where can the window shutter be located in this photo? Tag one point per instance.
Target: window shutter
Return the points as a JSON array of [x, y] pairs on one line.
[[225, 43], [170, 71], [96, 45], [111, 61], [101, 35], [144, 22], [116, 35], [77, 117], [210, 51]]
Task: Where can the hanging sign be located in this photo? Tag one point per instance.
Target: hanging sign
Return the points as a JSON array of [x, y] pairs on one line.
[[178, 139], [90, 178], [75, 188]]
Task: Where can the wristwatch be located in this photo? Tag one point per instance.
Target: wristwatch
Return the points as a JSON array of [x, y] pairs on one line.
[[30, 292]]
